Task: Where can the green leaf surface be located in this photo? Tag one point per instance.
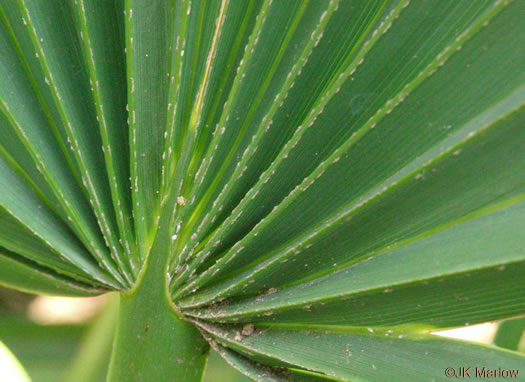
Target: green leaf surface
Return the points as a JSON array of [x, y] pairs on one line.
[[364, 355], [464, 268], [410, 127], [201, 47], [147, 37], [16, 24], [17, 238], [19, 158], [250, 121], [22, 108], [22, 205], [312, 187], [197, 33], [264, 54], [68, 81], [101, 35], [510, 334], [30, 277], [477, 158], [259, 372]]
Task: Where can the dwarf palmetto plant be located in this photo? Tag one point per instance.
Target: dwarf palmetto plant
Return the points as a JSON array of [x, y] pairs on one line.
[[310, 187]]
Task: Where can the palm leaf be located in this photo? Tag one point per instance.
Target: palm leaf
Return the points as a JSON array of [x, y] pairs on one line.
[[308, 185]]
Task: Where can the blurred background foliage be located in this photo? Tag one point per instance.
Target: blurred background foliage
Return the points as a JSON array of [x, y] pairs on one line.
[[56, 339]]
